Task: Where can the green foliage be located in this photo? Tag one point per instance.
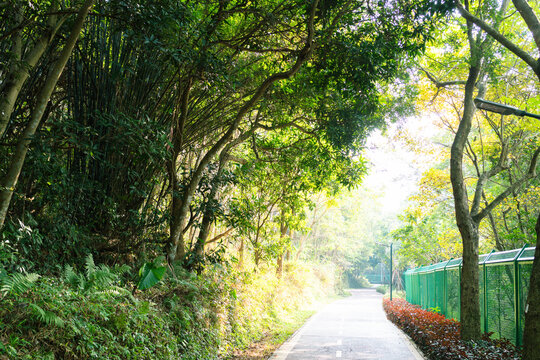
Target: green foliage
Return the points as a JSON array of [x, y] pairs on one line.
[[46, 317], [356, 281], [150, 275], [16, 284], [189, 316], [150, 89], [96, 278]]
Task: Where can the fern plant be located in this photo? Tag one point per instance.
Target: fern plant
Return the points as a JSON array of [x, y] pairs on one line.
[[96, 277], [72, 278], [17, 284], [46, 317]]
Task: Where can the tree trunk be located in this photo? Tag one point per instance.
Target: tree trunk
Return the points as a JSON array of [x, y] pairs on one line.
[[175, 244], [208, 216], [21, 70], [531, 334], [470, 305], [257, 257], [279, 266], [498, 244], [7, 186], [241, 254]]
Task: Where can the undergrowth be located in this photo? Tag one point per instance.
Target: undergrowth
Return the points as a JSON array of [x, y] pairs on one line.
[[439, 337], [94, 314]]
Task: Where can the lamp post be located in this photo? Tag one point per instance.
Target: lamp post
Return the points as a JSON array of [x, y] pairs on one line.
[[501, 108], [391, 273], [391, 244]]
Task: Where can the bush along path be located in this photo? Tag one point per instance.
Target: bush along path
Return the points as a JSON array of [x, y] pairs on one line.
[[93, 313], [439, 337]]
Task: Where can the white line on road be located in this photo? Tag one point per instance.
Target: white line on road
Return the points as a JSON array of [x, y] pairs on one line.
[[338, 354]]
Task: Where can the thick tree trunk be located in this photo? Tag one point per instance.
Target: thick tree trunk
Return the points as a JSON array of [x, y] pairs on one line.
[[470, 306], [531, 334], [7, 186], [208, 217], [175, 247]]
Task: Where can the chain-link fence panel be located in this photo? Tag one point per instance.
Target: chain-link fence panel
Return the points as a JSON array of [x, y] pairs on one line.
[[503, 288]]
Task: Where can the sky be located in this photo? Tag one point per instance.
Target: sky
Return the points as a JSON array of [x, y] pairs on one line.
[[395, 169]]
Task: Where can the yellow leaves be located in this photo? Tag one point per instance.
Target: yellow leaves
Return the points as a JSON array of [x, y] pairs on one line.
[[436, 178], [434, 187], [331, 203], [449, 243]]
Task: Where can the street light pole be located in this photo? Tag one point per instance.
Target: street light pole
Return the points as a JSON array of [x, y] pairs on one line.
[[501, 108], [391, 273], [391, 270]]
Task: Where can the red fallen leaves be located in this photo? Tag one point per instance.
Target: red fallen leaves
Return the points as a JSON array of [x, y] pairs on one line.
[[438, 337]]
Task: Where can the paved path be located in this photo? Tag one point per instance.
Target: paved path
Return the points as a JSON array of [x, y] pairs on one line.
[[352, 328]]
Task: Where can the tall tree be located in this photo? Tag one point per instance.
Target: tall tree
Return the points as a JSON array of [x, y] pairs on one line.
[[468, 219]]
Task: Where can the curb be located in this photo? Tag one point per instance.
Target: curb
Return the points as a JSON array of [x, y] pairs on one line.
[[415, 350]]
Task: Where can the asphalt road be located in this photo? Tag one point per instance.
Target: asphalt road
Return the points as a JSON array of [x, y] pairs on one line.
[[352, 328]]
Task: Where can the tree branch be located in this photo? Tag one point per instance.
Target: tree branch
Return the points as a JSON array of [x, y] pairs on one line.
[[522, 54], [528, 176], [220, 236], [530, 19], [441, 84]]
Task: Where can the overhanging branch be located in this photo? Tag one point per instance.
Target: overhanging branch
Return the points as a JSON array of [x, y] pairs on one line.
[[499, 199]]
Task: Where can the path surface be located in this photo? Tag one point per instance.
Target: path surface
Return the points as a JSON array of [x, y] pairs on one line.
[[352, 328]]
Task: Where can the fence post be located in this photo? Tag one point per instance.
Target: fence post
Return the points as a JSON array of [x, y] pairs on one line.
[[445, 289], [517, 300], [459, 289], [485, 291], [419, 292]]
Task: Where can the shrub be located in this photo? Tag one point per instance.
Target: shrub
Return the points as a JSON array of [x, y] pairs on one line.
[[92, 314], [356, 281], [439, 337]]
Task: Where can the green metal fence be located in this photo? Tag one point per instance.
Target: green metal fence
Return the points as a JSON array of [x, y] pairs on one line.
[[504, 284], [380, 274]]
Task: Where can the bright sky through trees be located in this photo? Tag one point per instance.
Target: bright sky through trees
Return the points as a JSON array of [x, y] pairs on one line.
[[395, 169]]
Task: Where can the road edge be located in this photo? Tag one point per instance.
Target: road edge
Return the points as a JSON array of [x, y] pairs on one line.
[[284, 349], [415, 350]]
